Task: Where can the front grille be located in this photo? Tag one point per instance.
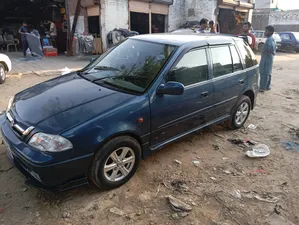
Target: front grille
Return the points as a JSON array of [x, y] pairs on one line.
[[18, 130]]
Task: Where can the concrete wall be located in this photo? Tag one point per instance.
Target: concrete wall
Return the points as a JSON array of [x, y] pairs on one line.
[[282, 21], [176, 16], [266, 4], [114, 14], [188, 10]]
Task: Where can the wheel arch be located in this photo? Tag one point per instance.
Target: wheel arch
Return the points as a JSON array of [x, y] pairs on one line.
[[121, 134], [5, 65], [250, 94]]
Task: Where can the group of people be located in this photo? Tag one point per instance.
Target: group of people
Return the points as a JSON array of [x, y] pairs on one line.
[[267, 55], [26, 29]]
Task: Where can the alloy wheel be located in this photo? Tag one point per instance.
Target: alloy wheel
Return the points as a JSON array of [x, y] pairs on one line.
[[119, 164], [242, 113]]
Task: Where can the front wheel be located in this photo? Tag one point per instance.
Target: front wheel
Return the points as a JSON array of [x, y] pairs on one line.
[[115, 163], [241, 112], [289, 49], [2, 73]]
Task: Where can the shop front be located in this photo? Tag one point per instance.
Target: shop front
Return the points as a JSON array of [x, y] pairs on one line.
[[148, 17], [37, 15], [232, 15]]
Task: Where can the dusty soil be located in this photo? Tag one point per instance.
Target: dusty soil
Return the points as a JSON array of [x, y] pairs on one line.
[[225, 188]]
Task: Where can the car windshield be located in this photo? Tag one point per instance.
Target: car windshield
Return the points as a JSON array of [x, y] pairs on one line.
[[132, 65]]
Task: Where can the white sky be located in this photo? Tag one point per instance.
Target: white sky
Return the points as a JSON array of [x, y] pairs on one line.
[[288, 4]]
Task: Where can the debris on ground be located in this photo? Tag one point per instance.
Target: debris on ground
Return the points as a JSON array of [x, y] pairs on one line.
[[177, 205], [294, 132], [252, 127], [277, 209], [213, 178], [1, 210], [290, 146], [178, 162], [66, 215], [242, 143], [196, 163], [117, 211], [216, 147], [236, 194], [218, 135], [257, 171], [258, 151], [66, 70], [265, 198], [180, 186]]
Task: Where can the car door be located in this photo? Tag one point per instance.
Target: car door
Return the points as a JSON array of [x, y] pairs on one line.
[[286, 40], [228, 78], [174, 116]]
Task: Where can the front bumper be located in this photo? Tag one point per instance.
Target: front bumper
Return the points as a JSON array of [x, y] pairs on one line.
[[38, 167]]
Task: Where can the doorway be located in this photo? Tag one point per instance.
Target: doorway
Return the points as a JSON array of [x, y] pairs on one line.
[[139, 22]]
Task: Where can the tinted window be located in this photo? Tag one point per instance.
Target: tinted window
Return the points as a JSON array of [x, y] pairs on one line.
[[191, 69], [259, 34], [285, 37], [247, 54], [237, 63], [222, 61]]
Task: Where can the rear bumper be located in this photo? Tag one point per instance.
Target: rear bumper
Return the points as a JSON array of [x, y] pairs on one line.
[[44, 175]]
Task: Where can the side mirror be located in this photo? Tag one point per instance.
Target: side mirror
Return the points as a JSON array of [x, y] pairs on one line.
[[171, 88]]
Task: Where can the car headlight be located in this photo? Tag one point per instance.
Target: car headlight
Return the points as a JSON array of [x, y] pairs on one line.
[[49, 142], [10, 103]]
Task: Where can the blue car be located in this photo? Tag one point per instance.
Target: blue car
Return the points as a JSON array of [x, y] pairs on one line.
[[95, 125], [289, 41]]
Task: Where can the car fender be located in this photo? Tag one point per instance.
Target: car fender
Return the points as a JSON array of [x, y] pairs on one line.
[[5, 59]]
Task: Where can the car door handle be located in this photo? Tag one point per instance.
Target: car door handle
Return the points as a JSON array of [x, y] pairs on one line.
[[204, 94], [241, 82]]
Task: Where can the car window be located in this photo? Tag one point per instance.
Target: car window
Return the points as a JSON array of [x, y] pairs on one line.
[[237, 63], [285, 37], [191, 69], [259, 34], [246, 54], [222, 61]]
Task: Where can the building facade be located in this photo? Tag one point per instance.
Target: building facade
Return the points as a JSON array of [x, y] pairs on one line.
[[157, 16]]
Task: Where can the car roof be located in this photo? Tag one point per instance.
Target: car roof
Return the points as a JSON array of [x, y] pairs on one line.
[[287, 32], [179, 39]]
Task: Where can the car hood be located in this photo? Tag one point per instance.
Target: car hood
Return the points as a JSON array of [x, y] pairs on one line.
[[64, 102]]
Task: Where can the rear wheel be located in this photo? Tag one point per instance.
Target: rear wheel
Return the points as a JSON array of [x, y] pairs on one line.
[[289, 49], [2, 73], [115, 163], [240, 113], [261, 47]]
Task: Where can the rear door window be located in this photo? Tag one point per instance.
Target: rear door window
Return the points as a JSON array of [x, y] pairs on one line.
[[222, 61], [246, 54], [285, 37], [237, 63]]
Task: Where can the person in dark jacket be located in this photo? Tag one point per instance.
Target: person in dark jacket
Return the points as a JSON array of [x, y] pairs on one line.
[[23, 30]]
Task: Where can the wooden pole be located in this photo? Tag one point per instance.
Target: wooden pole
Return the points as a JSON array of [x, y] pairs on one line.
[[77, 13]]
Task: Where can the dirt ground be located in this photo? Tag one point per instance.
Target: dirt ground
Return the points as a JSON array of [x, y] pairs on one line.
[[224, 188]]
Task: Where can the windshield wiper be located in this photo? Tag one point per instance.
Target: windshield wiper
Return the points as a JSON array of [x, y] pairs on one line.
[[105, 68]]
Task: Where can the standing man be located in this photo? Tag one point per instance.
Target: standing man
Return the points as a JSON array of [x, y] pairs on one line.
[[247, 32], [203, 25], [267, 58], [53, 33], [23, 30]]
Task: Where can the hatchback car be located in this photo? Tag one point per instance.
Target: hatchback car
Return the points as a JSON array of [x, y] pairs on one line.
[[290, 41], [98, 123], [261, 39]]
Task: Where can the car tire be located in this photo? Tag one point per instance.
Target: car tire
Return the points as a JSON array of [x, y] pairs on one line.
[[261, 47], [2, 73], [289, 49], [240, 112], [112, 166]]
